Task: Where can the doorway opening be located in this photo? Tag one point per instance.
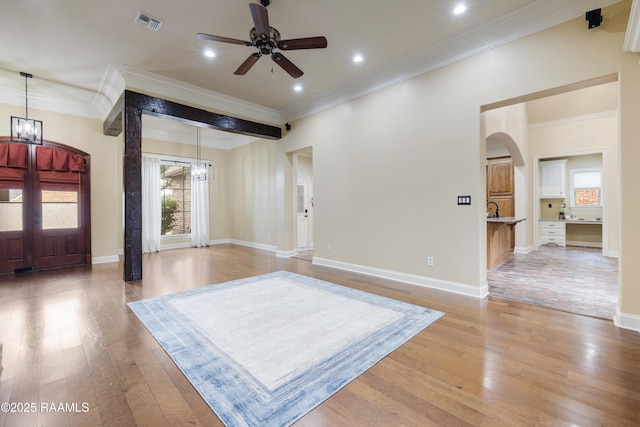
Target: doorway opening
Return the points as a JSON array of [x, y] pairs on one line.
[[303, 203], [570, 263]]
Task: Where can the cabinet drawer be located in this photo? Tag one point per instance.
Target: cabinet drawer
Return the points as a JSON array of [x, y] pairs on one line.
[[558, 240], [551, 224], [560, 232]]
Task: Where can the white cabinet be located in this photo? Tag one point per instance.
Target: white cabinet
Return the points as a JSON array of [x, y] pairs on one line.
[[553, 179], [552, 232]]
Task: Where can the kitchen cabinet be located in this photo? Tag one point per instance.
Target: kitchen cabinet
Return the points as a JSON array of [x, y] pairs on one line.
[[499, 232], [553, 179], [552, 232]]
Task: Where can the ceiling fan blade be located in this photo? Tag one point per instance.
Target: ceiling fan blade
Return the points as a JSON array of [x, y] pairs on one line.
[[247, 64], [287, 65], [260, 19], [304, 43], [211, 37]]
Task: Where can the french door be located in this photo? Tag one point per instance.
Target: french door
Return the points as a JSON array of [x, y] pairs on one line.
[[44, 207]]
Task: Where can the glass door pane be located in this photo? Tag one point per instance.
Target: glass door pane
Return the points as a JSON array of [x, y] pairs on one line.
[[59, 209], [11, 209]]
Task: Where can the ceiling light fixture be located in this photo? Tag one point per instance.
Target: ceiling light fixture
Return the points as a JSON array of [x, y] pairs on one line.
[[26, 130], [199, 170], [461, 8], [297, 88], [358, 58], [209, 53]]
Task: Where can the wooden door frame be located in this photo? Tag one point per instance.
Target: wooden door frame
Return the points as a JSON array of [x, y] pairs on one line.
[[30, 179]]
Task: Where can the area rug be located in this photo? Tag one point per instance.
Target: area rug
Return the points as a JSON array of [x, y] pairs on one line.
[[265, 350]]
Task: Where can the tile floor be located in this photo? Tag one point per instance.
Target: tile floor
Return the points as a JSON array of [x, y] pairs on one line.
[[573, 279]]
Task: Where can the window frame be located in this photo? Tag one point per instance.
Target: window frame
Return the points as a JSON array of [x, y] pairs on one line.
[[184, 164], [573, 188]]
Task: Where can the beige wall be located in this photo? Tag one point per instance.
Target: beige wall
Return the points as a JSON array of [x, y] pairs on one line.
[[252, 193]]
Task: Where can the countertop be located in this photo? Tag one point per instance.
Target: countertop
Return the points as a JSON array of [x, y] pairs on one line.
[[506, 219], [575, 221]]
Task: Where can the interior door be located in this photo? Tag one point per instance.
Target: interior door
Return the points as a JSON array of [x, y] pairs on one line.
[[302, 213]]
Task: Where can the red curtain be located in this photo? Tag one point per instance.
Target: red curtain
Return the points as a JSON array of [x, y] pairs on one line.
[[52, 159], [13, 155]]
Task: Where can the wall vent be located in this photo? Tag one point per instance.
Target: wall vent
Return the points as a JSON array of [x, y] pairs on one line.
[[148, 21]]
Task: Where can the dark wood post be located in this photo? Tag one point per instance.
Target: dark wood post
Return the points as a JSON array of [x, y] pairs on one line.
[[132, 183]]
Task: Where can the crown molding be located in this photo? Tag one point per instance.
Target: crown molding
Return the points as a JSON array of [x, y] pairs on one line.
[[530, 19], [632, 37], [149, 82]]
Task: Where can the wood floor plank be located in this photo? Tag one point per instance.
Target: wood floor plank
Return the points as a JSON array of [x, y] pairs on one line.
[[69, 336]]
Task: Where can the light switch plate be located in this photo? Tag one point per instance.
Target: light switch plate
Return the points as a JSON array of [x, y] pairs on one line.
[[464, 200]]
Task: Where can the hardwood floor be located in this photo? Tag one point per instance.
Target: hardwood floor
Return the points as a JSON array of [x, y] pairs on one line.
[[69, 338]]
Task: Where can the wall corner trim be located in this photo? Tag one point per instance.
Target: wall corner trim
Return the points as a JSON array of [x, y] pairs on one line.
[[627, 321]]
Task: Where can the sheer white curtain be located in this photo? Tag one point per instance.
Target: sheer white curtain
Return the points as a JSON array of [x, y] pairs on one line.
[[151, 209], [200, 209]]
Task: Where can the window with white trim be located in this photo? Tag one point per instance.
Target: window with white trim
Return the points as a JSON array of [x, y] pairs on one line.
[[586, 188], [175, 198]]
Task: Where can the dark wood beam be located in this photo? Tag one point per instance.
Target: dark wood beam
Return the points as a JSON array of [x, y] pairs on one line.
[[199, 117], [127, 114], [112, 125]]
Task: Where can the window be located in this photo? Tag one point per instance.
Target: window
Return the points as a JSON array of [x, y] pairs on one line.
[[59, 209], [175, 198], [10, 209], [586, 187]]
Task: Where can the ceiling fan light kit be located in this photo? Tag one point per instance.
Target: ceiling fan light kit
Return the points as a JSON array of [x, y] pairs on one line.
[[267, 40]]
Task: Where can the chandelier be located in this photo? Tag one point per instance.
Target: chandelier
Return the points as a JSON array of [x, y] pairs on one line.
[[199, 170], [24, 129]]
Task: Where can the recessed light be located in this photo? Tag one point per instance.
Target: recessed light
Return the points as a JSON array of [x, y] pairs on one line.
[[459, 9], [297, 88], [209, 53], [358, 58]]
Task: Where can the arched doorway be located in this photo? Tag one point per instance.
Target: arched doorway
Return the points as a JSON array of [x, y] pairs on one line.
[[44, 206]]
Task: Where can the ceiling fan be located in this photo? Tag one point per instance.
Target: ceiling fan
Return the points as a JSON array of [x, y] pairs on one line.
[[267, 40]]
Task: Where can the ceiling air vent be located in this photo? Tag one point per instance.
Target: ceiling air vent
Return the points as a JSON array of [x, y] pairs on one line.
[[148, 21]]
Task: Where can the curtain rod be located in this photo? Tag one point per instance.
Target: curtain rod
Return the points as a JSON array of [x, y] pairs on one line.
[[186, 161]]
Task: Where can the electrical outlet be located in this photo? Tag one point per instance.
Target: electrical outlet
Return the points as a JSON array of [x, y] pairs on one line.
[[430, 261], [329, 247]]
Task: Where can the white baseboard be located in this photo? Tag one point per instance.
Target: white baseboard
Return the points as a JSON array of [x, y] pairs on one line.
[[270, 248], [105, 259], [286, 254], [627, 321], [220, 242], [584, 244], [520, 250], [458, 288]]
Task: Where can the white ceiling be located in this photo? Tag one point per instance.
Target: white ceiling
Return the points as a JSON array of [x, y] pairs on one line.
[[82, 53]]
